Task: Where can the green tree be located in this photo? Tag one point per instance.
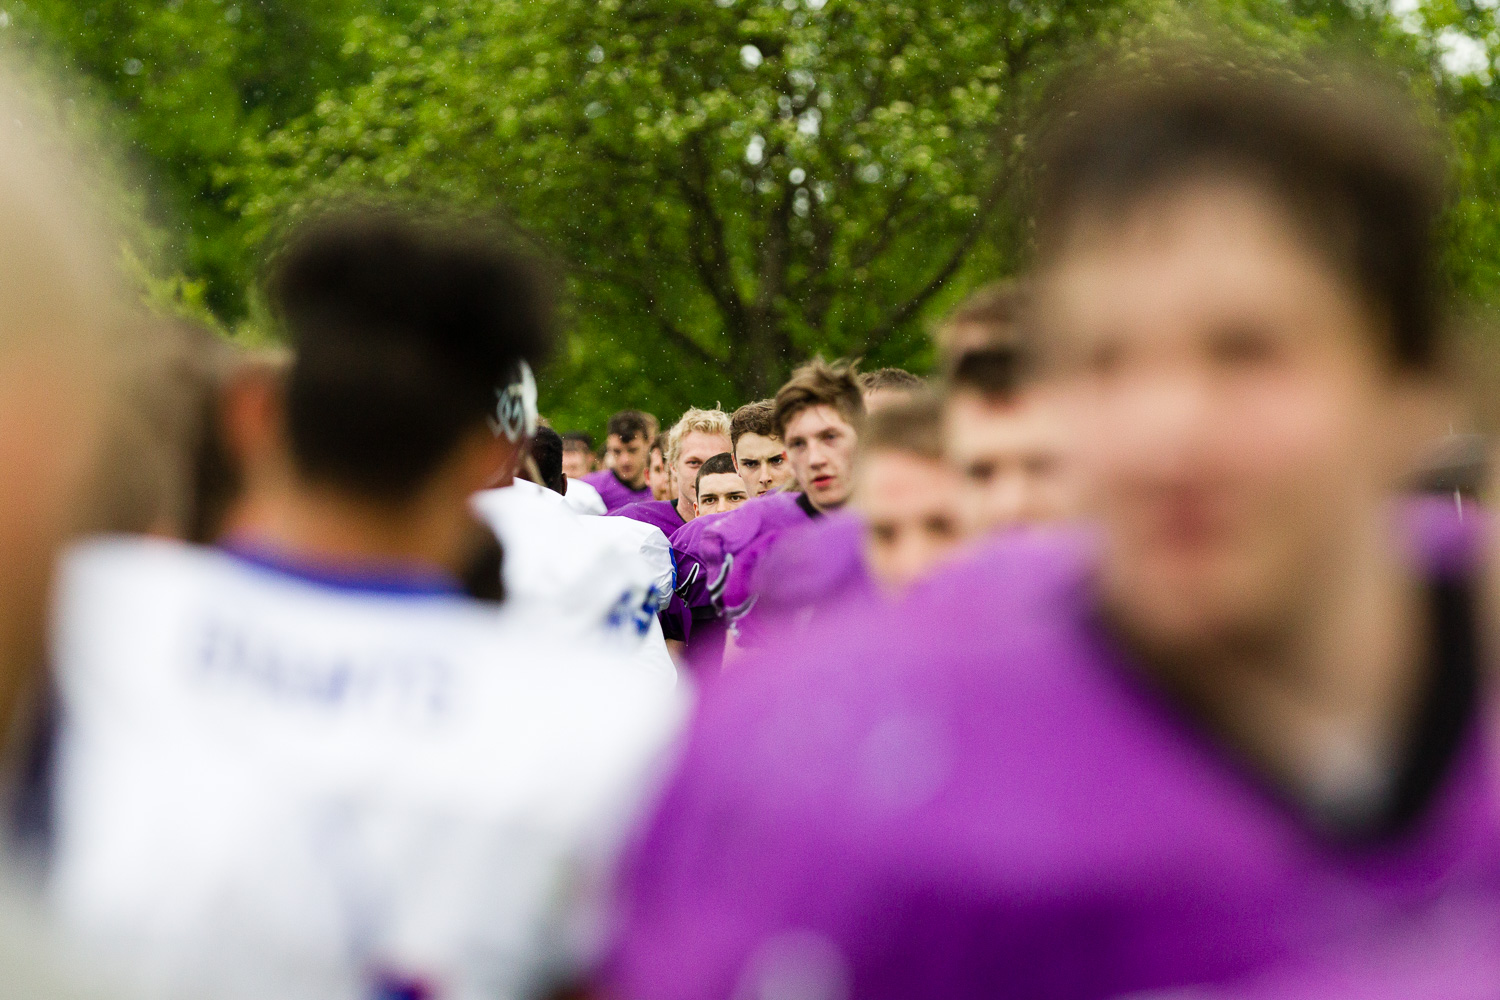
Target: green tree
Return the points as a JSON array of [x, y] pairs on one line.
[[728, 185], [731, 186], [189, 80]]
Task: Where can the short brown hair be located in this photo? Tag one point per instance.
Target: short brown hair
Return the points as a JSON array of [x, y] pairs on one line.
[[997, 372], [913, 426], [627, 425], [819, 383], [658, 443], [890, 378], [578, 441], [719, 465], [753, 418], [995, 309], [1348, 159]]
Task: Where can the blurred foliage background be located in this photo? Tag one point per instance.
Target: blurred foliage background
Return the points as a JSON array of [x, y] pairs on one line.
[[727, 185]]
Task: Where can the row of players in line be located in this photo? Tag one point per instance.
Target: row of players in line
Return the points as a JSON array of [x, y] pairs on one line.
[[1228, 736]]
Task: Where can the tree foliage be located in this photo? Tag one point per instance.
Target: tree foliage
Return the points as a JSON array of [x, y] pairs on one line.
[[727, 185]]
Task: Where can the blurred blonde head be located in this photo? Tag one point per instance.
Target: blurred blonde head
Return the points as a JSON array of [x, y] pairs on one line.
[[64, 347]]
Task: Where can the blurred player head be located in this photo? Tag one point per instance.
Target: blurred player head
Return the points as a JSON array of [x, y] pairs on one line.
[[1238, 285], [696, 437], [628, 442], [817, 414], [992, 312], [658, 473], [67, 350], [578, 454], [1002, 429], [547, 454], [884, 386], [907, 494], [164, 437], [719, 486], [403, 330], [759, 454]]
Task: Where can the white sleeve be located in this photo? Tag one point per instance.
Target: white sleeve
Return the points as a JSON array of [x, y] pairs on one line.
[[657, 552], [583, 498]]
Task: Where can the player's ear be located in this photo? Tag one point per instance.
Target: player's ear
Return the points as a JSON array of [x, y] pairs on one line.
[[484, 459], [251, 411]]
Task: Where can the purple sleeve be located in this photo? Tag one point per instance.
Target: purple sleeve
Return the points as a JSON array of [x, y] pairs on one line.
[[735, 545], [804, 571], [700, 619]]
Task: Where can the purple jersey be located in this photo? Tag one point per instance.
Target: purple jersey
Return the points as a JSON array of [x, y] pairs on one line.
[[658, 513], [974, 793], [699, 621], [614, 493], [734, 546], [812, 570]]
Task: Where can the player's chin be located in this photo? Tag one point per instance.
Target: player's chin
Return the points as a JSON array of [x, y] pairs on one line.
[[826, 492]]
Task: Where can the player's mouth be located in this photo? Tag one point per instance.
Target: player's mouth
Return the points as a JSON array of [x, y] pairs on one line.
[[822, 482]]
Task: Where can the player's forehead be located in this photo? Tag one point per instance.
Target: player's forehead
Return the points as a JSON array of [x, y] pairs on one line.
[[632, 443], [903, 478], [972, 421], [816, 419], [755, 446], [1193, 254], [721, 482], [703, 444]]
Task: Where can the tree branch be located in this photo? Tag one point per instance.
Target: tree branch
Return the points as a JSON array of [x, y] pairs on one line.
[[679, 337], [710, 247], [907, 309]]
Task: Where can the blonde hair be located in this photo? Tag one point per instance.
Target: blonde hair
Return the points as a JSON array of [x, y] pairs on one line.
[[67, 350], [703, 422]]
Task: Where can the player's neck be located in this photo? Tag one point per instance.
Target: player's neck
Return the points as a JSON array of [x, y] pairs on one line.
[[327, 525], [1327, 711], [822, 508], [637, 484], [685, 510]]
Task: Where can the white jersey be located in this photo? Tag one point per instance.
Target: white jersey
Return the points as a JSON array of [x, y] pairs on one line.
[[272, 785], [583, 498], [598, 577]]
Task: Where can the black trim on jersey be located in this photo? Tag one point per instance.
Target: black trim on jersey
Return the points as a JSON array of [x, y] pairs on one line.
[[1446, 710], [644, 487], [683, 588], [1449, 707], [807, 506]]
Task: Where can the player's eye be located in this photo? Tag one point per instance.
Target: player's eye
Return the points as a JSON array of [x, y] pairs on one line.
[[1104, 358], [736, 497], [1242, 346], [778, 460], [1040, 465], [941, 527]]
